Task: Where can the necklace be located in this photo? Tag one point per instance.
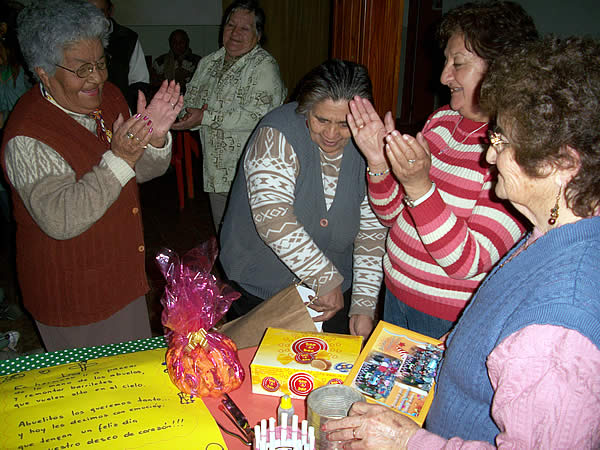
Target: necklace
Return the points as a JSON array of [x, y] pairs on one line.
[[532, 240], [466, 137]]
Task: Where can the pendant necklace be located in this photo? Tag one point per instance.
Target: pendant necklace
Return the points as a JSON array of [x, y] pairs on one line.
[[467, 137], [532, 240]]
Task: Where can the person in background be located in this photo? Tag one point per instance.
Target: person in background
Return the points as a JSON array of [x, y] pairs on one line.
[[14, 79], [521, 366], [127, 66], [447, 229], [73, 157], [299, 208], [179, 64], [232, 89], [8, 344]]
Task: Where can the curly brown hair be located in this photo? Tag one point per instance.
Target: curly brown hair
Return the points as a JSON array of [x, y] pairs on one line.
[[548, 96], [490, 29]]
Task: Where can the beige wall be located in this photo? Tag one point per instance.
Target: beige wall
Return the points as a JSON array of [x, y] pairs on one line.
[[154, 20]]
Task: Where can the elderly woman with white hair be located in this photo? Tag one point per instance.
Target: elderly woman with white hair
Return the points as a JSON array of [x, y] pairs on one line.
[[73, 157]]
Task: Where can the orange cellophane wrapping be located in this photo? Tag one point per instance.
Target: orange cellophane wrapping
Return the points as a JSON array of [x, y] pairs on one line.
[[204, 371]]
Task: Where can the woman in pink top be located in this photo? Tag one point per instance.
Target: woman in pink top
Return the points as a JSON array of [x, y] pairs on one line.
[[521, 366]]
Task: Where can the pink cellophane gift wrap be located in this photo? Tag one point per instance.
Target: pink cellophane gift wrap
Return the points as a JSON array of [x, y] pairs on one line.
[[200, 362]]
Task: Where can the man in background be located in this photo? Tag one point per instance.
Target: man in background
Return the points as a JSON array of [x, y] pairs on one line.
[[179, 64], [127, 65]]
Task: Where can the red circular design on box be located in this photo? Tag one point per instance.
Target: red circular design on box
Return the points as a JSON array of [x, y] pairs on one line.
[[335, 381], [301, 383], [324, 222], [304, 357], [309, 345], [270, 384]]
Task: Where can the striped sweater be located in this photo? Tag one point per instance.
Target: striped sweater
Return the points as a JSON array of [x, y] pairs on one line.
[[439, 251]]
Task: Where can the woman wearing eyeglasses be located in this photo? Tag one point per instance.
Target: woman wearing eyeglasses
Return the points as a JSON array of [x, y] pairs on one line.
[[521, 366], [447, 229], [73, 157]]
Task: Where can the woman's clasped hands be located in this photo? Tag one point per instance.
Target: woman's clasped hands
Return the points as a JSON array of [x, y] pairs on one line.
[[371, 426], [384, 147]]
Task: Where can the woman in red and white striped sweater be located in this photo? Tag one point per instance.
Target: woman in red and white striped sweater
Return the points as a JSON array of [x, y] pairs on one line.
[[435, 191]]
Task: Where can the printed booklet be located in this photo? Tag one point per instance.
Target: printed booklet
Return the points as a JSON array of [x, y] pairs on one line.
[[397, 368]]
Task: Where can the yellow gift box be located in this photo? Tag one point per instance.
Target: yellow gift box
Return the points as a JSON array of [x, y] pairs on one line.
[[294, 362]]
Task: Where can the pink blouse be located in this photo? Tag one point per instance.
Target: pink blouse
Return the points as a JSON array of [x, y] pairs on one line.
[[546, 380]]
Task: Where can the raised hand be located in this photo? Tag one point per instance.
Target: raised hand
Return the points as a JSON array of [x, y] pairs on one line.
[[162, 110], [369, 131], [410, 159]]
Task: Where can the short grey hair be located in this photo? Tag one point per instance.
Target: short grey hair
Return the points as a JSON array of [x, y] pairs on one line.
[[47, 28], [333, 80]]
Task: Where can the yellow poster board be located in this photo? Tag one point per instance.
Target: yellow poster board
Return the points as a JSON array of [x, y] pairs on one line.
[[117, 402]]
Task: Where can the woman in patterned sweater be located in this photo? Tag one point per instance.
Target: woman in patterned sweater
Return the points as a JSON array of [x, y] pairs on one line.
[[299, 210], [435, 191]]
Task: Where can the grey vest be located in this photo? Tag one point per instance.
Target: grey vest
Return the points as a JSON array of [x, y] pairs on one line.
[[246, 259]]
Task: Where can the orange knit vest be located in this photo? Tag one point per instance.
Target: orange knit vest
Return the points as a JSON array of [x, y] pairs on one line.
[[87, 278]]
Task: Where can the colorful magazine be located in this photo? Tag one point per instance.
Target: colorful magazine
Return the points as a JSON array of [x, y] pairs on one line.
[[397, 369]]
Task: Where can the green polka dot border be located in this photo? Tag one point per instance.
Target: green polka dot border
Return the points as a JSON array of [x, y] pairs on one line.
[[41, 360]]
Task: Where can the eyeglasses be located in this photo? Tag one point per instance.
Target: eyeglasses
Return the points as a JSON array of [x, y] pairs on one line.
[[86, 69], [497, 141]]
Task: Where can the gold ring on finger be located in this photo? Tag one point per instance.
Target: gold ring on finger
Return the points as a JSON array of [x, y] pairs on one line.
[[129, 135]]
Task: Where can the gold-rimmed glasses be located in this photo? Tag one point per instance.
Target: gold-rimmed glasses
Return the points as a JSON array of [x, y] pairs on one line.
[[497, 140], [85, 70]]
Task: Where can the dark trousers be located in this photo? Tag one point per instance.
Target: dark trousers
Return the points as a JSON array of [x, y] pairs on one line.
[[243, 305]]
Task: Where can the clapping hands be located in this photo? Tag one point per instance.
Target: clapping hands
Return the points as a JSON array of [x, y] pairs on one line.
[[369, 131], [162, 110]]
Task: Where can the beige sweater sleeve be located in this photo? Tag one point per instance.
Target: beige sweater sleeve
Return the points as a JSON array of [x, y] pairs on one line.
[[369, 248], [61, 205]]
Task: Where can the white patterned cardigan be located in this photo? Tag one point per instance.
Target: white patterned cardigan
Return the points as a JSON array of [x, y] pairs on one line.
[[237, 99], [271, 168]]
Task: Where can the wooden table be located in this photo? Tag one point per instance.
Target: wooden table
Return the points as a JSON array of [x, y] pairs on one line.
[[254, 406]]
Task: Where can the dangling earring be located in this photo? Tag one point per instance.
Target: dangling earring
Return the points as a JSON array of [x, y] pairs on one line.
[[554, 211]]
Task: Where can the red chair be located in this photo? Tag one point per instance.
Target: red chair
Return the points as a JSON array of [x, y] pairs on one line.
[[184, 144]]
